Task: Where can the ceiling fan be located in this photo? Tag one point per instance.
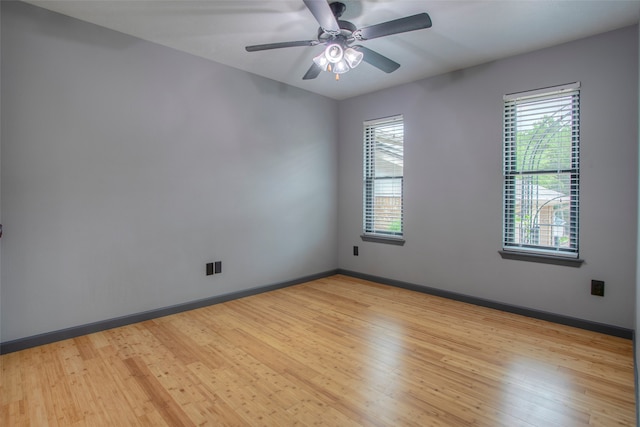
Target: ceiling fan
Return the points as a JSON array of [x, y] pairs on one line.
[[340, 54]]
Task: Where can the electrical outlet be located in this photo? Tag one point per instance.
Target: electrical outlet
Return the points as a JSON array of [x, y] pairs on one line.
[[597, 288], [209, 268], [217, 267], [355, 251]]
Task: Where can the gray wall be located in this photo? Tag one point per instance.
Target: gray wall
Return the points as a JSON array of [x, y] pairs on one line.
[[637, 298], [0, 176], [453, 193], [126, 166]]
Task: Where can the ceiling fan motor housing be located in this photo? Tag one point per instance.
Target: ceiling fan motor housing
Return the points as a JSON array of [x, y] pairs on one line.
[[346, 33]]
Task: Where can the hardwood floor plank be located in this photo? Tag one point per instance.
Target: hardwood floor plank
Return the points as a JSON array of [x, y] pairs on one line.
[[337, 351], [159, 396]]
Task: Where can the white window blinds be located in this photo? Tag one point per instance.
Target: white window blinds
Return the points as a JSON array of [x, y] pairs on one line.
[[383, 176], [542, 170]]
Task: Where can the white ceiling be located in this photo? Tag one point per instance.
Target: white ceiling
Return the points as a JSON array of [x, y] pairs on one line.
[[464, 33]]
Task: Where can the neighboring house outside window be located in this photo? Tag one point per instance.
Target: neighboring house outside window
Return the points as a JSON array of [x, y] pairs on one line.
[[383, 180], [541, 166]]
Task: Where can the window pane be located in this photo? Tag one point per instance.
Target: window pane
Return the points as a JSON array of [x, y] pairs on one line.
[[542, 210], [389, 153], [388, 205], [544, 134]]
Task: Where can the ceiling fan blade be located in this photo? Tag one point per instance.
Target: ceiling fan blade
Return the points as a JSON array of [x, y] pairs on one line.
[[267, 46], [379, 61], [402, 25], [313, 72], [321, 10]]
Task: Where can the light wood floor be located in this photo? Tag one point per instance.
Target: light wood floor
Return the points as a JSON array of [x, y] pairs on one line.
[[337, 352]]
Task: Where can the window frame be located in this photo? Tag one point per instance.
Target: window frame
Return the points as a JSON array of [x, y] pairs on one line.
[[369, 233], [552, 254]]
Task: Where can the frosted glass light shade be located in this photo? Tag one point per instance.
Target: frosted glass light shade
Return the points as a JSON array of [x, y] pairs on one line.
[[341, 67], [353, 57], [321, 60]]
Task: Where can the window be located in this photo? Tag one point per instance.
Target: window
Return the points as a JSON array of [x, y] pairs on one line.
[[383, 180], [542, 172]]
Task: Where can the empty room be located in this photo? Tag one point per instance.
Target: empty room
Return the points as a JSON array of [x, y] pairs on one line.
[[311, 212]]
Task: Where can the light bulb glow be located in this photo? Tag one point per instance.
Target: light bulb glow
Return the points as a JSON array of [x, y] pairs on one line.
[[334, 53], [353, 57]]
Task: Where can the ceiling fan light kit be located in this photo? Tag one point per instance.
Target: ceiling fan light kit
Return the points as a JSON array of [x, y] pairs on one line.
[[339, 56], [338, 60]]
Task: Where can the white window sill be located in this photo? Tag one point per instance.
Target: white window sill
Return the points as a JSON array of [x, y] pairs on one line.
[[380, 238], [545, 259]]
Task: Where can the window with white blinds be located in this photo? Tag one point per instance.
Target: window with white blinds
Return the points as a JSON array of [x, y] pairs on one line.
[[542, 171], [383, 177]]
